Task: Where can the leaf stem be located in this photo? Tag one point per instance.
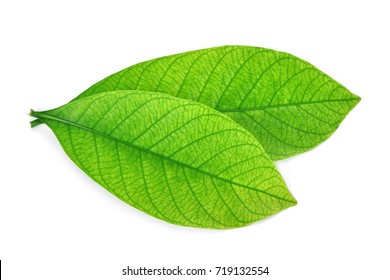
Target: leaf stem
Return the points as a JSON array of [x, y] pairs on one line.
[[35, 122]]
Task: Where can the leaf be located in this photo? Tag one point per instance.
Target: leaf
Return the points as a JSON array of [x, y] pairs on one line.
[[175, 159], [285, 102]]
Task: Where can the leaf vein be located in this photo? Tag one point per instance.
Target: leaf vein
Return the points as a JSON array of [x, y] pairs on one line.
[[43, 115]]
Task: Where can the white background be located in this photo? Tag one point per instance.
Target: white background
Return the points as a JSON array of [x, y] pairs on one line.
[[58, 224]]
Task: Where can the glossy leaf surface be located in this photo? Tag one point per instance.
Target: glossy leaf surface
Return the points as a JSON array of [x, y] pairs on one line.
[[175, 159], [285, 102]]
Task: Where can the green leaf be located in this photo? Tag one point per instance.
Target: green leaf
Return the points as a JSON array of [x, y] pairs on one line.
[[175, 159], [285, 102]]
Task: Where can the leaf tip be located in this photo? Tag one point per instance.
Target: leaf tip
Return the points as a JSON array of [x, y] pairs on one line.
[[356, 98], [291, 201], [294, 202]]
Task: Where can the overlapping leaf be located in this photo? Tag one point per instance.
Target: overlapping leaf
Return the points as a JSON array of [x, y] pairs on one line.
[[285, 102], [175, 159]]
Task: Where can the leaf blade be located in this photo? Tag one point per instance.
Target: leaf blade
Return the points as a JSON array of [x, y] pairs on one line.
[[239, 79], [174, 159]]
